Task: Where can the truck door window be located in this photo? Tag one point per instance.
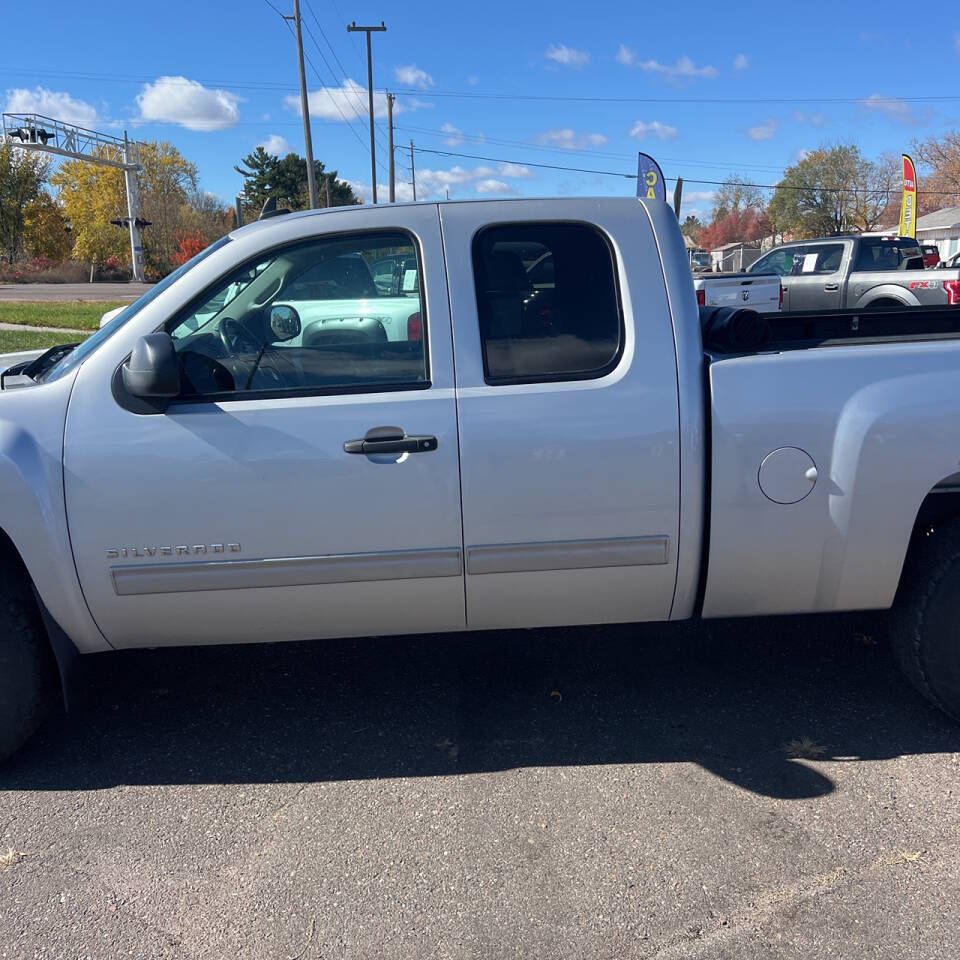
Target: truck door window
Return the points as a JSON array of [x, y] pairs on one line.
[[548, 302], [779, 262], [885, 253], [354, 334], [819, 258]]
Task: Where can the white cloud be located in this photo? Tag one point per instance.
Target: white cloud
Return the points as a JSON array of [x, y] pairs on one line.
[[403, 190], [434, 184], [813, 119], [569, 140], [568, 56], [654, 128], [52, 104], [891, 107], [454, 135], [683, 69], [277, 145], [516, 171], [763, 131], [698, 196], [188, 104], [493, 186], [801, 154], [349, 102], [413, 76], [740, 62]]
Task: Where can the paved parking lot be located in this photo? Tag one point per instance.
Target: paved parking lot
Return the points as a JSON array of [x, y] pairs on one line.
[[624, 792]]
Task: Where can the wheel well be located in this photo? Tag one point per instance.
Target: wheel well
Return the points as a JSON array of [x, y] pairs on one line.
[[938, 507], [11, 560], [885, 302]]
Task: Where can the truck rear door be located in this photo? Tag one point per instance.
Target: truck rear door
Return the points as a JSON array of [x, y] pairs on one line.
[[567, 412]]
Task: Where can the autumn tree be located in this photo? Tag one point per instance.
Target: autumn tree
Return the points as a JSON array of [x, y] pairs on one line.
[[45, 231], [93, 195], [23, 174], [940, 185], [832, 190], [738, 226], [736, 193]]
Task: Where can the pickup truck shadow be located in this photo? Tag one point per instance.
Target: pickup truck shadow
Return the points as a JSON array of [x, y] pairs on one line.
[[739, 698]]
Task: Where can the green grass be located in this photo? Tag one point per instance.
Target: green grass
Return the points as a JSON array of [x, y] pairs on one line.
[[13, 340], [83, 315]]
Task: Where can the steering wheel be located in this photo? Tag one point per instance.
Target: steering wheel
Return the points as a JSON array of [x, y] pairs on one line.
[[237, 337]]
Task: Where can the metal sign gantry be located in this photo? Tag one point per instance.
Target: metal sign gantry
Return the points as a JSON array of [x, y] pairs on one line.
[[31, 131]]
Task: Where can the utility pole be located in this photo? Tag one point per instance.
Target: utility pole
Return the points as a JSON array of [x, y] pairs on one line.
[[413, 172], [305, 110], [353, 28], [393, 177], [130, 179]]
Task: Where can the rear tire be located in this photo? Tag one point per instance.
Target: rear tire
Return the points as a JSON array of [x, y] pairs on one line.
[[925, 621], [28, 677]]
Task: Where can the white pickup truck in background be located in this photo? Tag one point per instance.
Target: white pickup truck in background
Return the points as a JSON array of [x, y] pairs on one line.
[[246, 454], [757, 291]]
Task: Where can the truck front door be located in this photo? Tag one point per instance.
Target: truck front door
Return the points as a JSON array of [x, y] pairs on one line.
[[251, 509], [568, 414], [817, 279]]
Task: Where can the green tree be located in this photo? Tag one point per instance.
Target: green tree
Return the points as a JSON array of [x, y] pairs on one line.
[[832, 190], [692, 227], [266, 175], [23, 174]]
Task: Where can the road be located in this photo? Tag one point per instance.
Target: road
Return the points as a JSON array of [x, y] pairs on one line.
[[48, 292], [605, 793]]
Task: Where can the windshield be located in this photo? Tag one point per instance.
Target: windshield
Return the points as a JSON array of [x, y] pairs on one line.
[[78, 355]]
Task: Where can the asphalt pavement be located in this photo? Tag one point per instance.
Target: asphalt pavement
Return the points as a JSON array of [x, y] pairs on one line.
[[747, 789], [50, 292]]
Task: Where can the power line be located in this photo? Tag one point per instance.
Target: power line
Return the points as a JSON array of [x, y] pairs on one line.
[[353, 90], [499, 141], [245, 84], [713, 183], [871, 100], [313, 67]]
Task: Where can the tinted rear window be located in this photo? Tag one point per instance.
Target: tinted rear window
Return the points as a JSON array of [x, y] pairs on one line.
[[547, 301]]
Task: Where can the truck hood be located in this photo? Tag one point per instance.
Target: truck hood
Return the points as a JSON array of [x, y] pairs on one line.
[[9, 359]]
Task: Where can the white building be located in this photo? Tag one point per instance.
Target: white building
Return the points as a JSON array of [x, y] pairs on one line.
[[733, 257], [941, 228]]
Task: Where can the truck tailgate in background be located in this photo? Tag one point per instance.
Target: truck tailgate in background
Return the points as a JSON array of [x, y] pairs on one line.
[[760, 292]]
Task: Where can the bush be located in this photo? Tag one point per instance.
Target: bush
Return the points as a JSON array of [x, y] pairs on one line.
[[44, 270]]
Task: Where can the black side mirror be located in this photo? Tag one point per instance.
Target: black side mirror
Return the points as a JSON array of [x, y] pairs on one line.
[[284, 322], [152, 372]]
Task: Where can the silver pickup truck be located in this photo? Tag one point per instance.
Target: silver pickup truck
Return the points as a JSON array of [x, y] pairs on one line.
[[857, 272], [248, 454]]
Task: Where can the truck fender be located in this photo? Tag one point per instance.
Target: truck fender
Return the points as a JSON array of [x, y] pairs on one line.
[[33, 517], [887, 291]]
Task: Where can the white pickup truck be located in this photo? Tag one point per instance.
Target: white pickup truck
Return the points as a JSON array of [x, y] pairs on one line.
[[551, 440], [762, 292]]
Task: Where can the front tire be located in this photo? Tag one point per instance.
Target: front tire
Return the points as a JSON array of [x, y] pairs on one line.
[[925, 621], [28, 675]]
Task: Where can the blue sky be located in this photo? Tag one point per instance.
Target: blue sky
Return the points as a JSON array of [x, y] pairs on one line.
[[216, 78]]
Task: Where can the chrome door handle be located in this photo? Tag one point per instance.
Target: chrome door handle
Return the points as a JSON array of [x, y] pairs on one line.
[[831, 286]]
